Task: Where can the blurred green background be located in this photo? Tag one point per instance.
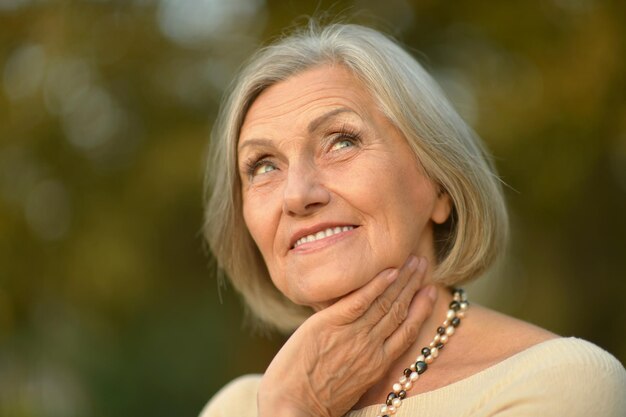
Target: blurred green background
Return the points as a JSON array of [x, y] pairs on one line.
[[109, 305]]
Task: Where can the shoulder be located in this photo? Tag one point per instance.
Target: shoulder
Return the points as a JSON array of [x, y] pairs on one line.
[[564, 376], [237, 398], [525, 370], [573, 356], [568, 349]]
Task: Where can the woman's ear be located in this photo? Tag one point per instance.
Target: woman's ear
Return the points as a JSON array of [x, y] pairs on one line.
[[442, 207]]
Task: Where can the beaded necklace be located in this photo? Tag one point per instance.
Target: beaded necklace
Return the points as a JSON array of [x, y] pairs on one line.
[[456, 312]]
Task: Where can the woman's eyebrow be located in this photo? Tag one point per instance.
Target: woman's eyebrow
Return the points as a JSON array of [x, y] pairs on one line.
[[318, 121], [311, 128], [255, 142]]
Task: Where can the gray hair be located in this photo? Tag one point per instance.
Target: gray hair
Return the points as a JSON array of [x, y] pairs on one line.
[[451, 155]]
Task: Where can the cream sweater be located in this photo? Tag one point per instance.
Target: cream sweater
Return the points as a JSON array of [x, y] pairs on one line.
[[560, 377]]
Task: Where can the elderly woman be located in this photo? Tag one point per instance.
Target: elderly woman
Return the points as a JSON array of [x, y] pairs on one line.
[[346, 198]]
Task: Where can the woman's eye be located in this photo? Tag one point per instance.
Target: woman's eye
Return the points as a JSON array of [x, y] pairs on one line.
[[344, 143], [263, 168]]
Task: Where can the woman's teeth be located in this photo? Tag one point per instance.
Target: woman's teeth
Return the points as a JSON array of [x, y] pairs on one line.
[[322, 234]]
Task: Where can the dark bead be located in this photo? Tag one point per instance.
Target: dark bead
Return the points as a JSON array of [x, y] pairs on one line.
[[390, 398], [407, 372], [455, 322], [441, 330], [426, 351], [440, 346], [402, 394], [455, 305], [385, 415], [421, 367]]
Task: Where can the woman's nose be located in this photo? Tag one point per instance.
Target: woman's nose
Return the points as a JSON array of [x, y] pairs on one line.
[[304, 193]]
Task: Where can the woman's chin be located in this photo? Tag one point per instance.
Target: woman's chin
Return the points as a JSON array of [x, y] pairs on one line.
[[322, 295], [321, 285], [323, 305], [318, 302]]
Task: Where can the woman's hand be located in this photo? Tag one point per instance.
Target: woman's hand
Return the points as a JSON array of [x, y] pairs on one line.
[[341, 351]]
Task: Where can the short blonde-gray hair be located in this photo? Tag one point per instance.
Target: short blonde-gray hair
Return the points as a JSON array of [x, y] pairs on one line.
[[449, 151]]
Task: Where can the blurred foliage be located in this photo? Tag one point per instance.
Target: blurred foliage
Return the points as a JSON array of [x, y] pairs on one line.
[[108, 301]]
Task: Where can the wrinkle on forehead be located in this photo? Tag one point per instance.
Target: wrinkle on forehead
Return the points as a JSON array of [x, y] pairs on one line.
[[290, 103]]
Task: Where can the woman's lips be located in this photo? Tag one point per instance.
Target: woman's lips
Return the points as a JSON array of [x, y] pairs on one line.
[[323, 238]]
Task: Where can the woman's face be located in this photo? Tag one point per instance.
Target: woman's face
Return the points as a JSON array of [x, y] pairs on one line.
[[332, 192]]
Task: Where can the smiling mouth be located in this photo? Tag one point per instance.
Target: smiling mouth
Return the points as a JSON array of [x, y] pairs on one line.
[[323, 234]]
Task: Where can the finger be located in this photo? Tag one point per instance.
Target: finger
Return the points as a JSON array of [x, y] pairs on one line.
[[357, 303], [399, 309], [385, 303], [405, 335]]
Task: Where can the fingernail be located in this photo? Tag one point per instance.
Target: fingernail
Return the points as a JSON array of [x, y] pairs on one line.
[[423, 265], [413, 263], [392, 275], [432, 293]]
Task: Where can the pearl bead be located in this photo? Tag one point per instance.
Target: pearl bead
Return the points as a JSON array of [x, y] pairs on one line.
[[432, 345], [403, 380], [397, 388], [436, 338], [464, 306], [450, 314], [429, 359], [450, 330], [408, 385], [444, 339], [391, 409], [413, 377], [384, 409], [412, 367], [420, 358], [435, 352], [460, 314], [457, 297], [445, 324], [421, 367], [396, 402]]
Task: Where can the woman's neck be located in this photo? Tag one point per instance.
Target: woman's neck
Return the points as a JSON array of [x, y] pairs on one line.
[[378, 392]]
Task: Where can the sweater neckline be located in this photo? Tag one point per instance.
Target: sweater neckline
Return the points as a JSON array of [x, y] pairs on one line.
[[474, 378]]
